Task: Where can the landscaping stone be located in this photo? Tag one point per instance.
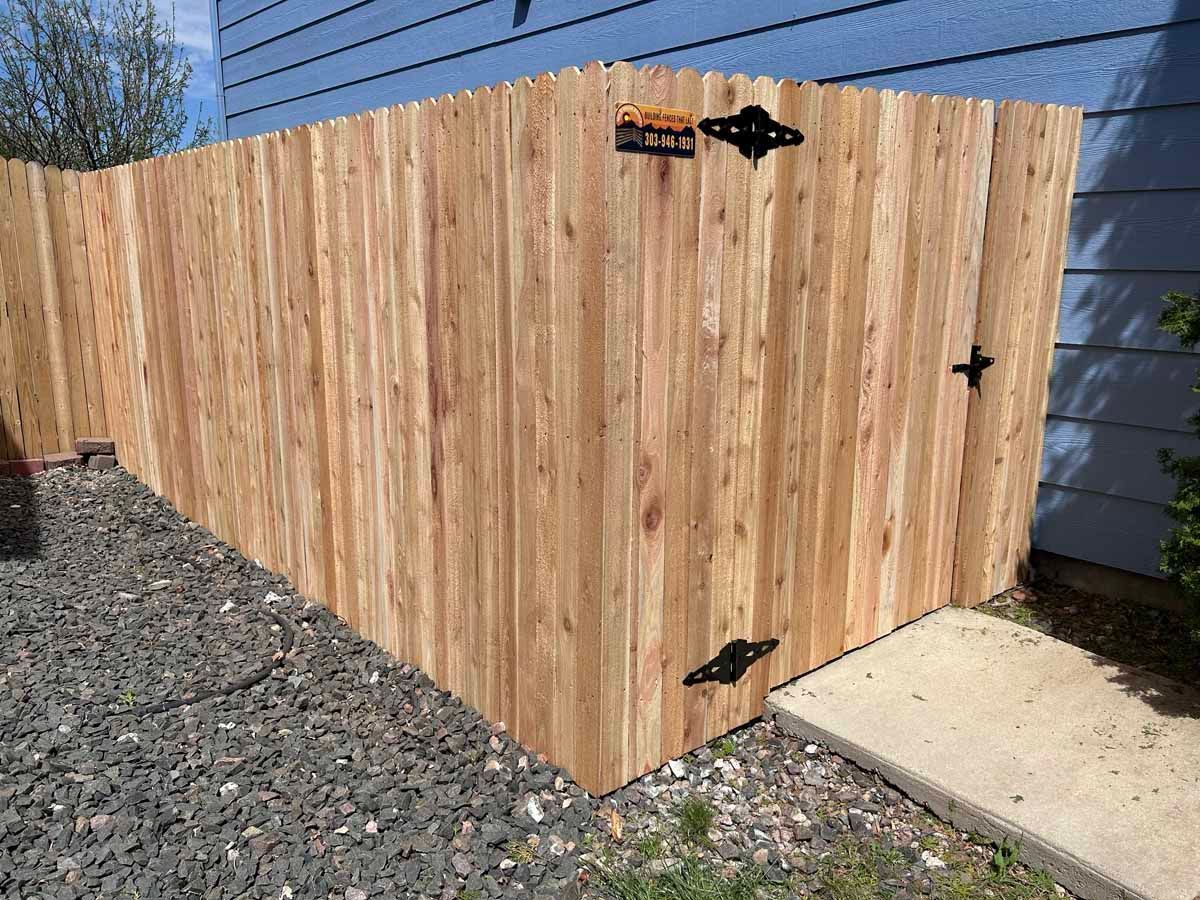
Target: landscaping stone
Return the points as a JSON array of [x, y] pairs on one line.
[[812, 824], [60, 460], [18, 467], [88, 445], [101, 461]]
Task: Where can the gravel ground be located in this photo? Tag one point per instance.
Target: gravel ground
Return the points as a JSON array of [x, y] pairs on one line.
[[804, 821], [1163, 642], [344, 774]]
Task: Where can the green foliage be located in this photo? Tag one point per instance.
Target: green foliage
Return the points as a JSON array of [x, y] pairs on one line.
[[520, 852], [1181, 549], [723, 748], [1181, 318], [1006, 854], [855, 870], [651, 847], [695, 817], [691, 879]]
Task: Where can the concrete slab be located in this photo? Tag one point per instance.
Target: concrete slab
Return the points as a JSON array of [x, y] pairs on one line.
[[1092, 765]]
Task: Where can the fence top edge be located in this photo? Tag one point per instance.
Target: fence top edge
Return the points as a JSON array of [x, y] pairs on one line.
[[523, 83]]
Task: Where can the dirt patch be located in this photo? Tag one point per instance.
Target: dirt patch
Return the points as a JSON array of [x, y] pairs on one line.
[[1156, 640]]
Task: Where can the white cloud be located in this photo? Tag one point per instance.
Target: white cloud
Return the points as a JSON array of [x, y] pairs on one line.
[[194, 34], [192, 28]]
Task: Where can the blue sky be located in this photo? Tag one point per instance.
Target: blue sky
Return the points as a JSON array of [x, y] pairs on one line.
[[192, 30]]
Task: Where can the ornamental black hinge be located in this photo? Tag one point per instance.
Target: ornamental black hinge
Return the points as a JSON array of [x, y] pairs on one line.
[[973, 369], [752, 131], [732, 662]]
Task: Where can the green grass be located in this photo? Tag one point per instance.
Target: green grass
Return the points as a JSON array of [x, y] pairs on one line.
[[723, 748], [851, 871], [856, 871], [1021, 614], [691, 879], [651, 847], [694, 818]]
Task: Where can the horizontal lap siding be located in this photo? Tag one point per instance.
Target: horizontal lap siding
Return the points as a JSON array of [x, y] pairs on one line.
[[1120, 386], [1099, 527], [1108, 458], [818, 39]]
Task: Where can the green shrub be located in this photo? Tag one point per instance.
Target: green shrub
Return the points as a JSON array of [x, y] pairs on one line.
[[1181, 549]]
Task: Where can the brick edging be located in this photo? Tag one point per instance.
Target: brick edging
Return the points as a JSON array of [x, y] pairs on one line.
[[93, 452]]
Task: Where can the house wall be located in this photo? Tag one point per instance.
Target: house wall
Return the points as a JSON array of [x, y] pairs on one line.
[[1120, 388]]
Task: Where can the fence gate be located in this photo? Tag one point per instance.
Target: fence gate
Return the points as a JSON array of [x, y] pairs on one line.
[[801, 427], [610, 399]]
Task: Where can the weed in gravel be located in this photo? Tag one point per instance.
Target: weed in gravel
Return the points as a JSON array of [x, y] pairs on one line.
[[858, 871], [723, 748], [128, 698], [1006, 854], [469, 894], [519, 852], [852, 870], [695, 817], [691, 879], [1022, 615], [650, 847]]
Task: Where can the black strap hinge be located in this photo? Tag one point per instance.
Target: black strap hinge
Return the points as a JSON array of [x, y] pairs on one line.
[[974, 369], [728, 666], [752, 131]]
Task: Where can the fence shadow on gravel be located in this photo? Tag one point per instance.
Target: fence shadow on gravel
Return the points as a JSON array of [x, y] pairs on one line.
[[20, 531]]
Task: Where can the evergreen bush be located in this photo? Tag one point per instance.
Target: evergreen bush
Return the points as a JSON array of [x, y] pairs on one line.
[[1181, 548]]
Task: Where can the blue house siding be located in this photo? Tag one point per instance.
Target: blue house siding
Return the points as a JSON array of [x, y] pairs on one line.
[[1120, 388]]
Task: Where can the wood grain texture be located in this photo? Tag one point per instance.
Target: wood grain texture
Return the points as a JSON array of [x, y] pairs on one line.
[[1133, 66], [1021, 272], [51, 387], [556, 423]]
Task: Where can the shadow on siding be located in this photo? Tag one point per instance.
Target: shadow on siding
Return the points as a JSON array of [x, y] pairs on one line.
[[1112, 365]]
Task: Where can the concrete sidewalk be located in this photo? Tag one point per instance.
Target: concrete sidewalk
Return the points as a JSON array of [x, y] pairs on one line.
[[1093, 766]]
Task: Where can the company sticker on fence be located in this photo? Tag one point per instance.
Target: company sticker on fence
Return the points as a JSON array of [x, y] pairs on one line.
[[656, 130]]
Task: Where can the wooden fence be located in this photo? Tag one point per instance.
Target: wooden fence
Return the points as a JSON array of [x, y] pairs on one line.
[[1021, 280], [50, 389], [558, 423]]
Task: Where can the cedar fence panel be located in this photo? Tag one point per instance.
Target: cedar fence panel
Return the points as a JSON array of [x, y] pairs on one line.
[[557, 423], [50, 386], [1017, 322]]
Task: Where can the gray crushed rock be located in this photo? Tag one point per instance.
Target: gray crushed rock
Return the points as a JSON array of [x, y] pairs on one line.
[[345, 774]]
